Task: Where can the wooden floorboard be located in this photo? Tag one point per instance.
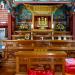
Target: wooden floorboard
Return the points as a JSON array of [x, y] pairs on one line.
[[6, 71]]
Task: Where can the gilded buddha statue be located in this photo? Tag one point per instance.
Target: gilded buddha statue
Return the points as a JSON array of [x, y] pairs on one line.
[[42, 22]]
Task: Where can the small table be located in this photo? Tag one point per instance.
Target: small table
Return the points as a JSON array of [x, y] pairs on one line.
[[52, 58]]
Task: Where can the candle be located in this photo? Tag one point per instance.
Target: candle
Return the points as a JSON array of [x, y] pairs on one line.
[[52, 21], [39, 21], [45, 21]]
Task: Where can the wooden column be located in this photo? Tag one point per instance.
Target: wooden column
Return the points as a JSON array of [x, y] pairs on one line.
[[73, 25], [9, 26], [13, 25]]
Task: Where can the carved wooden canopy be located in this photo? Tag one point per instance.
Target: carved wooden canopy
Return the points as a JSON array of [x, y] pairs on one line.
[[42, 9]]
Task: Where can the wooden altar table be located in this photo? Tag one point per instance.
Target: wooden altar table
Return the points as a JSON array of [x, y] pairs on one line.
[[34, 57]]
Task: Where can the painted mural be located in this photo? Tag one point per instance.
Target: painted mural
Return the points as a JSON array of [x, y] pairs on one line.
[[61, 18]]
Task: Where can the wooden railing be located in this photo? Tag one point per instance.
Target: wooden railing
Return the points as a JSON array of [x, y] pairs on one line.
[[42, 37], [12, 46]]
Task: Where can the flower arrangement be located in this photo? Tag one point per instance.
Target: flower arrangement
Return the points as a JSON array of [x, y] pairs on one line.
[[24, 27], [60, 27]]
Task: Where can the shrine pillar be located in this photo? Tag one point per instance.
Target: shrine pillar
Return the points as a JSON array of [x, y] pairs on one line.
[[9, 26], [73, 31]]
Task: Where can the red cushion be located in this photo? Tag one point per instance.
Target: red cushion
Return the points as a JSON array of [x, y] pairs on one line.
[[48, 72], [40, 72], [31, 72], [70, 62], [70, 70]]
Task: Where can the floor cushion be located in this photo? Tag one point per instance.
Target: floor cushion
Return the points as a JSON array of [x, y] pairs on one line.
[[40, 72], [70, 65]]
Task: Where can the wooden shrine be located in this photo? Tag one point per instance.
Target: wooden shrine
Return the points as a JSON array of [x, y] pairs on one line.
[[41, 34]]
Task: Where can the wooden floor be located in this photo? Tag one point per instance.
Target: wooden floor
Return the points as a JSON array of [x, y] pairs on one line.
[[7, 68], [4, 71]]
